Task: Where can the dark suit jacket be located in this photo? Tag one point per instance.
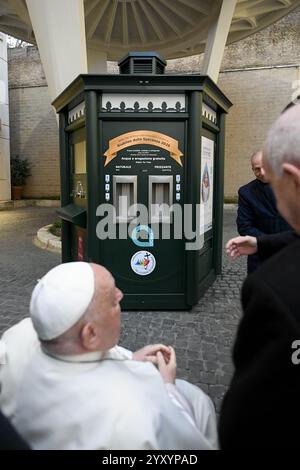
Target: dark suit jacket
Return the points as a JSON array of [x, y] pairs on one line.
[[258, 215], [9, 438], [268, 245], [262, 406]]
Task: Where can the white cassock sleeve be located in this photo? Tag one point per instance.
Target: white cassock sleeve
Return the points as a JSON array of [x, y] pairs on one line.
[[180, 401], [204, 418], [16, 348]]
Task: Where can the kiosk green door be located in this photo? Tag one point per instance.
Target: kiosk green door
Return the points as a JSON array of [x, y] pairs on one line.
[[143, 164]]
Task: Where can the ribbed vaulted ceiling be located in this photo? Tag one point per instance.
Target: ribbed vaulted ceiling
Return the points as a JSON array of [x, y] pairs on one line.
[[175, 28]]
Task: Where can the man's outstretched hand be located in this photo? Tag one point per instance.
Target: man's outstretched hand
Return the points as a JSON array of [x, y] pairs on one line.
[[149, 353], [240, 246]]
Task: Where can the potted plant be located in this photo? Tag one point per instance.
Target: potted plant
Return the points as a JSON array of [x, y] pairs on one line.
[[19, 171]]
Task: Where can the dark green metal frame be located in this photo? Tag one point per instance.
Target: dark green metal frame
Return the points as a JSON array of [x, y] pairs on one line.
[[197, 88]]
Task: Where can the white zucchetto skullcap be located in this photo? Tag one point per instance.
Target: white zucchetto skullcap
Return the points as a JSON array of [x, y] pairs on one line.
[[61, 298]]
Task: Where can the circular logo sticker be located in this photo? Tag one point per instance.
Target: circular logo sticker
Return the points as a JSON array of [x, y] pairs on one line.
[[143, 263]]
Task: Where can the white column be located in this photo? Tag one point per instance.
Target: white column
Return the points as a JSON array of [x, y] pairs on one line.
[[97, 60], [216, 40], [60, 35], [5, 193]]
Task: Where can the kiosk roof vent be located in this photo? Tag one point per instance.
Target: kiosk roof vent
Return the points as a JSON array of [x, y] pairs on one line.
[[142, 63]]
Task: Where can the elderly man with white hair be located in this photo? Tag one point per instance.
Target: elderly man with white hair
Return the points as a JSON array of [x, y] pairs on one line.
[[82, 391], [261, 408]]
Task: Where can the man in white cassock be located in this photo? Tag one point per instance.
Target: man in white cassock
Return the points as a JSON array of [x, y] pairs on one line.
[[82, 391]]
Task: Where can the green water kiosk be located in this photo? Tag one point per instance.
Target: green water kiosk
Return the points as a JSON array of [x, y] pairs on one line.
[[142, 164]]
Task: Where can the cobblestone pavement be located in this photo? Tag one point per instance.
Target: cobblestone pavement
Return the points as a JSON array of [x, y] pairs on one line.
[[21, 262], [202, 337]]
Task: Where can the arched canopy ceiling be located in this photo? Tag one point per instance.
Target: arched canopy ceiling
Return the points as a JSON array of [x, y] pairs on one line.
[[174, 28]]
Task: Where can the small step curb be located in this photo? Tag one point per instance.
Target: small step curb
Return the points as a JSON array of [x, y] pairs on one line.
[[47, 241]]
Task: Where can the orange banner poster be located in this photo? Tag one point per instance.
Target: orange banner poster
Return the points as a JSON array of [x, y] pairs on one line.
[[143, 137]]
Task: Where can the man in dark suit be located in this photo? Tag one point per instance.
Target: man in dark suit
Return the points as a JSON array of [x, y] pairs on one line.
[[257, 211], [262, 406]]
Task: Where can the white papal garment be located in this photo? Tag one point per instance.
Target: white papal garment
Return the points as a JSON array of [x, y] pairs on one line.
[[17, 345], [108, 401]]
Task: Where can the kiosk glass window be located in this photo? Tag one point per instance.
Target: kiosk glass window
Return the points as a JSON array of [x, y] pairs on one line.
[[80, 157], [78, 167], [125, 195], [160, 198]]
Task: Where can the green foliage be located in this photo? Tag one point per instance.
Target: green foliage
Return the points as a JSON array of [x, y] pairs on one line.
[[55, 228], [19, 170], [231, 200]]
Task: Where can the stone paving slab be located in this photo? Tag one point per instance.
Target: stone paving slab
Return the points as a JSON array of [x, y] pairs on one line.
[[202, 337], [21, 262], [7, 205]]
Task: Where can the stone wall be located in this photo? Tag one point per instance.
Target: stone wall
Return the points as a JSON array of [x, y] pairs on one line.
[[258, 96], [4, 124], [257, 75], [34, 128]]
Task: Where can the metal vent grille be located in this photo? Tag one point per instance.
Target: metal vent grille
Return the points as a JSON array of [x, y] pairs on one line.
[[142, 66], [142, 63]]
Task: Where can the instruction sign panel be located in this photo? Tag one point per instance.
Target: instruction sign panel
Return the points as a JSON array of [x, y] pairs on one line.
[[206, 184]]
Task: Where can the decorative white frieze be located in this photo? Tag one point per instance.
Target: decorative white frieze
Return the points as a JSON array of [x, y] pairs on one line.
[[76, 113], [143, 103], [209, 113]]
